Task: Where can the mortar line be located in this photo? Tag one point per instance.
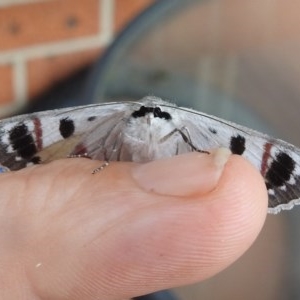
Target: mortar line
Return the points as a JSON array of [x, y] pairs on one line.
[[19, 81], [69, 46], [7, 3], [106, 14]]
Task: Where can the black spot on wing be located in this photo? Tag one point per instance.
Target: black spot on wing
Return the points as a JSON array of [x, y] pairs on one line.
[[280, 170], [237, 144], [157, 112], [212, 130], [22, 141], [66, 127], [92, 118]]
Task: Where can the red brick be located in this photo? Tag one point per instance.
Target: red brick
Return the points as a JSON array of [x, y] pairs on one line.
[[43, 73], [126, 10], [43, 22], [6, 84]]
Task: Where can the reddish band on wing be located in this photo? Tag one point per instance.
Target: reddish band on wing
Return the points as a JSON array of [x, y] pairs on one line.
[[265, 158], [38, 133]]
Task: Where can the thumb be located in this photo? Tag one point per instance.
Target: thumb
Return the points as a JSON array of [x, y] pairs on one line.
[[215, 212], [137, 228]]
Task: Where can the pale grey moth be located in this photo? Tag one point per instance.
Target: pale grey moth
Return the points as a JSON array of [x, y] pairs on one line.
[[142, 131]]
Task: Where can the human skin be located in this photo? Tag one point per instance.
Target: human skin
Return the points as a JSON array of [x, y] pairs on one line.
[[124, 232]]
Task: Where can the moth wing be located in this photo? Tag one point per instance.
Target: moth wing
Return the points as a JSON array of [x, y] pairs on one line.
[[276, 160], [46, 136]]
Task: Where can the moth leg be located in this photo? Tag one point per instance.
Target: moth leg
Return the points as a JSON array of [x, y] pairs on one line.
[[104, 165], [84, 155], [107, 158], [186, 138]]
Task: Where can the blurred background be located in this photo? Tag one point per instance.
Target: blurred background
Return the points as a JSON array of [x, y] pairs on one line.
[[238, 59], [43, 43]]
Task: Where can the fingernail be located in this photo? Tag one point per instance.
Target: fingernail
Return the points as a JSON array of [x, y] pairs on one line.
[[182, 175]]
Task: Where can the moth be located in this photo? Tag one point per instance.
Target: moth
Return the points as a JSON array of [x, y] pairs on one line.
[[142, 131]]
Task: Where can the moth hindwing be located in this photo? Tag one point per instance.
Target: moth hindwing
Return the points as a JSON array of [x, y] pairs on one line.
[[143, 131]]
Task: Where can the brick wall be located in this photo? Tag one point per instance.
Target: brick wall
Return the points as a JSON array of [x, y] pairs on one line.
[[44, 41]]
